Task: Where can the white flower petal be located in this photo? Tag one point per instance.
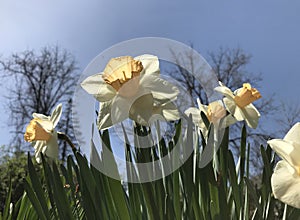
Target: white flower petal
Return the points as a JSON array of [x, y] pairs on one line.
[[202, 107], [141, 109], [196, 115], [47, 125], [294, 134], [227, 121], [40, 116], [287, 150], [150, 64], [225, 91], [38, 146], [251, 115], [285, 185], [56, 114], [96, 86], [170, 112], [233, 109], [104, 116], [121, 107], [160, 88], [51, 149]]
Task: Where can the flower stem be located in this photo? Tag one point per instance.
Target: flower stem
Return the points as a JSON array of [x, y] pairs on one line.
[[64, 137]]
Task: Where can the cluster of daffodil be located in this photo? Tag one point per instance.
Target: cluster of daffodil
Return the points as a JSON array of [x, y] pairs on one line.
[[132, 88], [237, 103]]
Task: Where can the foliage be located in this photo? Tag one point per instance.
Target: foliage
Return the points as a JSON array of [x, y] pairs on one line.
[[12, 171], [78, 190]]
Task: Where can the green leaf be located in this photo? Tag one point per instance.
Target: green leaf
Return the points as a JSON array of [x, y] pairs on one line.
[[234, 184], [37, 187], [34, 200], [7, 203], [60, 197], [88, 188]]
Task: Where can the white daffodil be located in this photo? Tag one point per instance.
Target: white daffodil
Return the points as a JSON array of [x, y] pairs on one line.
[[131, 88], [285, 180], [214, 113], [239, 103], [41, 133]]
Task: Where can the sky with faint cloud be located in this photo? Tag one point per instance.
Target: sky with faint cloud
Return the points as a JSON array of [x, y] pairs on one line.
[[268, 30]]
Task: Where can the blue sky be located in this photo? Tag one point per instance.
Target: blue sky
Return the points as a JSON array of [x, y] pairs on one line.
[[268, 30]]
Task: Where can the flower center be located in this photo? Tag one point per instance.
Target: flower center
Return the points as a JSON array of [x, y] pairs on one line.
[[215, 111], [35, 132], [246, 96], [120, 70]]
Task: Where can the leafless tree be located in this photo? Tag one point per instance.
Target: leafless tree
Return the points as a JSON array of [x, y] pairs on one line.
[[289, 115], [38, 81]]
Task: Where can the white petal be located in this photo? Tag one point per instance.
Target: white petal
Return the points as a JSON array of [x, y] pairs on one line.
[[294, 134], [38, 146], [40, 116], [52, 147], [141, 109], [196, 115], [227, 121], [170, 112], [150, 64], [104, 116], [287, 150], [120, 108], [47, 125], [202, 107], [285, 185], [160, 88], [56, 114], [233, 109], [251, 115], [225, 91], [96, 86]]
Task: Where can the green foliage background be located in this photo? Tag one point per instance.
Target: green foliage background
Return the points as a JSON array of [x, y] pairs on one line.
[[77, 190]]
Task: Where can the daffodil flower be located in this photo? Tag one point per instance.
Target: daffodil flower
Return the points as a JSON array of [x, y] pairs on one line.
[[131, 88], [239, 103], [214, 113], [285, 180], [41, 133]]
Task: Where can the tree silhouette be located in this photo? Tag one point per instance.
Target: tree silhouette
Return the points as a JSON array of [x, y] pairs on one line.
[[38, 81]]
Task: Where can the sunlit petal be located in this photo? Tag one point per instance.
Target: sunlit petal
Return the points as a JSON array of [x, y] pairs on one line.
[[294, 134], [286, 185], [150, 64], [96, 86], [38, 146], [287, 150], [56, 114], [160, 88], [47, 125], [104, 116], [225, 91], [40, 116], [251, 115], [141, 109], [52, 147], [170, 112], [196, 115]]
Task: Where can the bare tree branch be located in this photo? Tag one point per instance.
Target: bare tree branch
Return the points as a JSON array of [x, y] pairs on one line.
[[41, 80]]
